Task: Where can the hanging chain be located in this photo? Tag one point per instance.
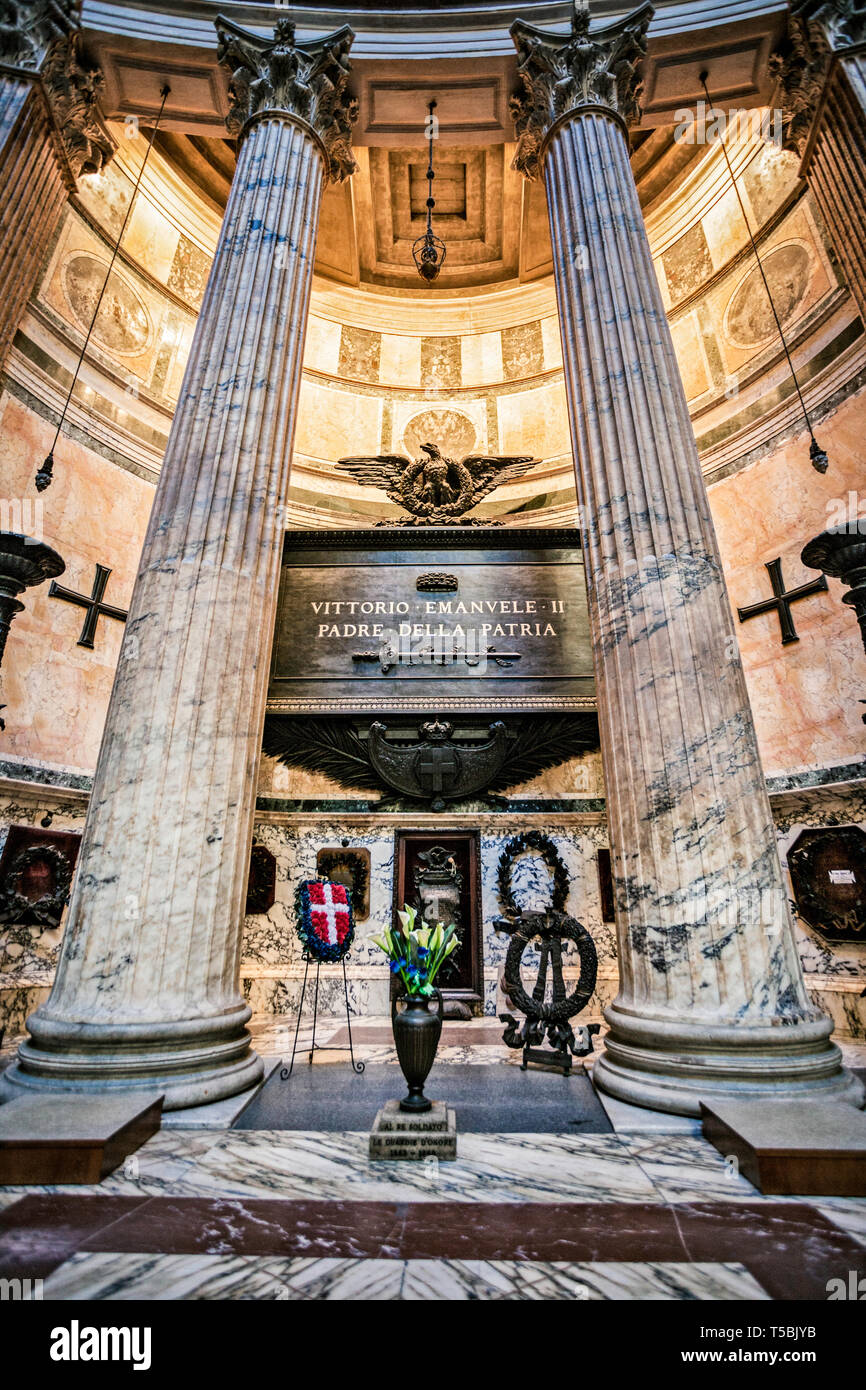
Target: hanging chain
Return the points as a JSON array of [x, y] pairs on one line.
[[45, 475], [816, 453]]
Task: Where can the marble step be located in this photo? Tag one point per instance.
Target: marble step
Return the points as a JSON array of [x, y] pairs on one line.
[[792, 1147], [73, 1137]]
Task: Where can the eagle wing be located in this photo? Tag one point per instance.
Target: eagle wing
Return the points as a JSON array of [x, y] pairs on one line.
[[379, 470], [488, 471]]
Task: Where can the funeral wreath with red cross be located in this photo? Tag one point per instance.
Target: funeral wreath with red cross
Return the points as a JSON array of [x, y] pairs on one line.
[[326, 924]]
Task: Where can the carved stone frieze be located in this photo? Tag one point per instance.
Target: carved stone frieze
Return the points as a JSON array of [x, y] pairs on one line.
[[72, 88], [28, 28], [306, 80], [562, 73]]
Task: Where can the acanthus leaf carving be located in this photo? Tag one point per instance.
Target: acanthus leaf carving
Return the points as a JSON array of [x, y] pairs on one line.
[[305, 80], [800, 67], [72, 88], [843, 22], [28, 28], [562, 73]]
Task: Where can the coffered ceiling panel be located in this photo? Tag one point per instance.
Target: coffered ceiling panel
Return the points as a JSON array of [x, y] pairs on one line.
[[477, 214]]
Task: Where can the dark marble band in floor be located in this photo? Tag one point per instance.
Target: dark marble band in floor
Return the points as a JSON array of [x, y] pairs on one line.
[[789, 1248]]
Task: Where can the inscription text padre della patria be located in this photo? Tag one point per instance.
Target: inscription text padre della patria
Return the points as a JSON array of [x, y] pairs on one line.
[[478, 620]]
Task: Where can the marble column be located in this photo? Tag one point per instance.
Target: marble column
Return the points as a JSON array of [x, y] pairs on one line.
[[821, 72], [147, 989], [50, 133], [712, 1001]]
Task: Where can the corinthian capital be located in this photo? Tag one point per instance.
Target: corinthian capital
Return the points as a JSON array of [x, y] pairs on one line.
[[28, 28], [800, 66], [306, 80], [562, 73], [72, 88], [843, 22]]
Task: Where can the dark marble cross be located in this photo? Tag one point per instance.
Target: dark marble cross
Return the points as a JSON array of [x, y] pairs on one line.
[[782, 600], [96, 609]]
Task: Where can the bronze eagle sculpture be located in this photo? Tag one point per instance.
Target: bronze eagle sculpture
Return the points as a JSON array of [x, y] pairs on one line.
[[437, 490]]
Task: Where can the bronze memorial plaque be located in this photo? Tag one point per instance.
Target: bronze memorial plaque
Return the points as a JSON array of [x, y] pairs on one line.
[[481, 620]]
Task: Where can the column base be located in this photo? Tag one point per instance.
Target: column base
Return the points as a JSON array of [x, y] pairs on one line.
[[191, 1061], [670, 1065]]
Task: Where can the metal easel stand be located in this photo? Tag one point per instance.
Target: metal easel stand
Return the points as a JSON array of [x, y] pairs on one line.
[[356, 1066]]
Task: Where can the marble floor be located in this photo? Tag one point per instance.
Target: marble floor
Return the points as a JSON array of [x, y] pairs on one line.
[[214, 1213]]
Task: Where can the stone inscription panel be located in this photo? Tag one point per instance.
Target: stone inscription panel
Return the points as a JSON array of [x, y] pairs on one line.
[[486, 622]]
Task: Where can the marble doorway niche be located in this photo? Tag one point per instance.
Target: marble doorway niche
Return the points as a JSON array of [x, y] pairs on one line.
[[439, 873]]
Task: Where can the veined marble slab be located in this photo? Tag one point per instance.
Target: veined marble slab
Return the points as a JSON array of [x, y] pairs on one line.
[[214, 1277]]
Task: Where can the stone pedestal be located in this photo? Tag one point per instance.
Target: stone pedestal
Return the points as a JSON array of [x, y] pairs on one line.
[[147, 989], [72, 1139], [712, 1000], [792, 1148], [397, 1134]]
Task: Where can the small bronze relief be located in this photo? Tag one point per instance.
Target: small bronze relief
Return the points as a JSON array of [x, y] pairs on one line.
[[35, 875], [828, 875], [262, 882], [437, 582], [351, 867]]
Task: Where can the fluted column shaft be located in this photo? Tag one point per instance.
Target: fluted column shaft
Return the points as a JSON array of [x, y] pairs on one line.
[[147, 990], [712, 999], [835, 168], [32, 198]]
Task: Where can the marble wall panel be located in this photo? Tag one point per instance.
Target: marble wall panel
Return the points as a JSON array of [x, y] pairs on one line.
[[400, 361], [322, 345], [272, 966], [691, 356], [333, 422], [482, 359], [28, 954], [522, 351], [534, 422], [440, 362], [687, 264], [189, 271], [359, 354]]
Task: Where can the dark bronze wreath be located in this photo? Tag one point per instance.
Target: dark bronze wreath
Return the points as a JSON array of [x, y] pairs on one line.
[[44, 911], [543, 845], [558, 926]]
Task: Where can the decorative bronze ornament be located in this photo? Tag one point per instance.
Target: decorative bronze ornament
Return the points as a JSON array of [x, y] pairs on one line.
[[46, 909], [437, 582], [840, 551], [332, 745], [828, 874], [539, 843], [92, 604], [435, 767], [550, 930], [781, 601], [436, 490], [24, 563], [429, 251]]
